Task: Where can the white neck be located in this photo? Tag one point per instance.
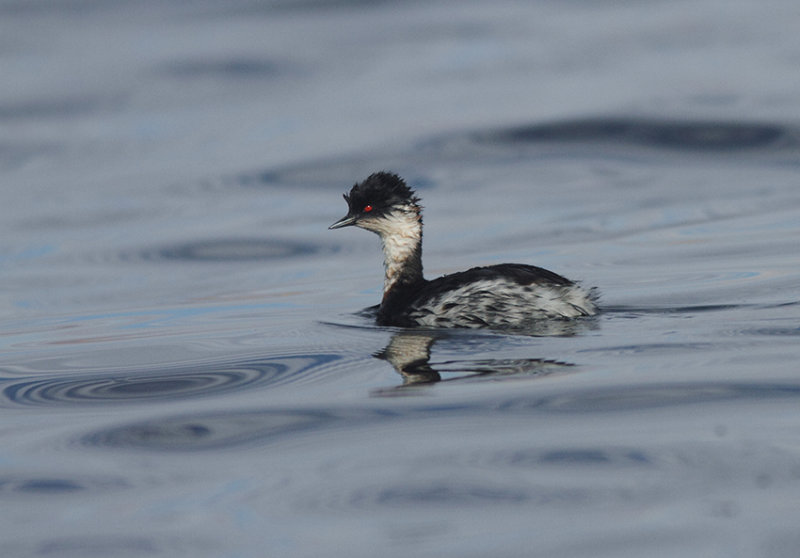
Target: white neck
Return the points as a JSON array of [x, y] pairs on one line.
[[401, 237], [401, 255]]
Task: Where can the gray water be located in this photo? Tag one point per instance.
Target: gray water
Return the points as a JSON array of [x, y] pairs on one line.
[[185, 366]]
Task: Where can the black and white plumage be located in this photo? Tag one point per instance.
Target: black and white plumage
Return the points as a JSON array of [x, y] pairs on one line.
[[498, 296]]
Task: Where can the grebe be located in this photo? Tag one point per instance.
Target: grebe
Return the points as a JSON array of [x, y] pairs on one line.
[[498, 296]]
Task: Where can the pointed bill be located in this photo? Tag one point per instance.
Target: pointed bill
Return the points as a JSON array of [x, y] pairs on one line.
[[345, 221]]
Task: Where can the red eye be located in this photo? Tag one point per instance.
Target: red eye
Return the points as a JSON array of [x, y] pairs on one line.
[[367, 208]]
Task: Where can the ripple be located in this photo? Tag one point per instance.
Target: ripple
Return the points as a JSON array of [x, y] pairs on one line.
[[507, 367], [415, 163], [54, 486], [338, 174], [774, 331], [421, 374], [449, 493], [223, 69], [220, 430], [238, 428], [17, 153], [685, 135], [217, 250], [445, 493], [603, 457], [209, 431], [696, 309], [97, 546], [56, 107], [655, 396], [241, 249], [651, 348], [171, 385], [612, 457]]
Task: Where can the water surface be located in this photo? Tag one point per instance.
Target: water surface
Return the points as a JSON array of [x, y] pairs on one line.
[[185, 367]]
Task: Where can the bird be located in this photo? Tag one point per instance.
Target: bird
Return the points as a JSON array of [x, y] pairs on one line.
[[502, 296]]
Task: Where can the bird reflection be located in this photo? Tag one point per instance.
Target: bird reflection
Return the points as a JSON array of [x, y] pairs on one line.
[[409, 352]]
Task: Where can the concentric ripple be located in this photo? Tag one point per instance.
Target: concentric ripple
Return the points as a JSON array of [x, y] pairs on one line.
[[212, 430], [160, 384]]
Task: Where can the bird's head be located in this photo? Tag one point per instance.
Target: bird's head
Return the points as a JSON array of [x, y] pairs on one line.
[[381, 203]]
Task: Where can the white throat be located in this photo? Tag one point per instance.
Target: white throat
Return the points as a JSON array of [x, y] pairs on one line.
[[401, 237], [398, 254]]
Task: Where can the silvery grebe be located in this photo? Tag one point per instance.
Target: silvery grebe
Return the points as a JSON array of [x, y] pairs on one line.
[[498, 296]]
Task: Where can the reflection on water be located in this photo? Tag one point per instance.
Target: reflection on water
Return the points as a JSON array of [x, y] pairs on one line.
[[409, 352]]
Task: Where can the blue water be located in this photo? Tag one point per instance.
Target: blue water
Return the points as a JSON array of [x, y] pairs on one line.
[[185, 367]]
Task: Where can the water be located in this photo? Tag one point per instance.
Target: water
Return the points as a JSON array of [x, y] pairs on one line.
[[184, 367]]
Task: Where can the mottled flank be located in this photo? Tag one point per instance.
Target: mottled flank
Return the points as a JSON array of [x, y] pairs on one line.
[[500, 296], [501, 303]]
